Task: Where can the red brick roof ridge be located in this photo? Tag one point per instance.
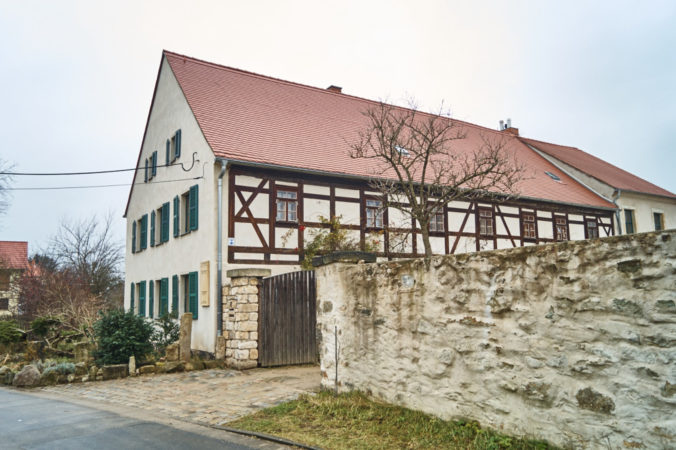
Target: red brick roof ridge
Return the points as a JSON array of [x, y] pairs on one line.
[[322, 90], [665, 193]]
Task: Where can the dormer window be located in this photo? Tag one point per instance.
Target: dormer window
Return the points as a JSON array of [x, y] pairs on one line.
[[402, 151], [554, 176]]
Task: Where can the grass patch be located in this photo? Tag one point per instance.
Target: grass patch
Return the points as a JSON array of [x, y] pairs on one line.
[[353, 421]]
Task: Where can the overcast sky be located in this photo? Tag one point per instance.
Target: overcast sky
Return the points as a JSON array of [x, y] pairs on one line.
[[76, 78]]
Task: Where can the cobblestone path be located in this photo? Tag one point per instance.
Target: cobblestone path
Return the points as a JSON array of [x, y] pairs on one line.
[[207, 397]]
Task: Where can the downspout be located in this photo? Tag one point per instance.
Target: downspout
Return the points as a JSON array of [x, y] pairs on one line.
[[616, 197], [219, 261]]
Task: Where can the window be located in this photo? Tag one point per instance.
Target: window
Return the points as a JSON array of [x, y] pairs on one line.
[[402, 151], [528, 226], [141, 298], [4, 280], [4, 304], [592, 229], [659, 221], [153, 159], [177, 224], [374, 214], [145, 173], [190, 293], [152, 229], [553, 176], [144, 231], [560, 228], [164, 296], [164, 223], [485, 222], [133, 237], [174, 294], [131, 298], [287, 202], [151, 299], [190, 207], [629, 221], [173, 147], [437, 221]]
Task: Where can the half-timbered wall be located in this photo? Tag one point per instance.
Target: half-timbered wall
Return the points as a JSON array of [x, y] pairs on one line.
[[260, 234]]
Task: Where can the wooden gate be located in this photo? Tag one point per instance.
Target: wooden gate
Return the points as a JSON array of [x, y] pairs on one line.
[[287, 320]]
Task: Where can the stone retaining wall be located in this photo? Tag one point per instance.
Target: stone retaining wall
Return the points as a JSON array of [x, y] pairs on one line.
[[574, 343]]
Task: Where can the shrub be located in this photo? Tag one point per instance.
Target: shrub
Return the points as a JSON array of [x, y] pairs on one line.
[[120, 335], [9, 332], [42, 325], [167, 333], [61, 368]]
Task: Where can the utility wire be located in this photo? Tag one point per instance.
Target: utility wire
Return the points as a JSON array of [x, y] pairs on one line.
[[58, 188], [93, 172]]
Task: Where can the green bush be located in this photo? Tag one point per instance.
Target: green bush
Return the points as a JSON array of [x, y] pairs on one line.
[[120, 335], [168, 331], [61, 368], [9, 332], [42, 325]]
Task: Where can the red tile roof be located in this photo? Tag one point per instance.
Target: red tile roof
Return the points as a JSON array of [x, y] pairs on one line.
[[13, 255], [598, 168], [249, 117]]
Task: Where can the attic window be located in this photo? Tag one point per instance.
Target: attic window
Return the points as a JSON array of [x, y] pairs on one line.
[[402, 150], [553, 176]]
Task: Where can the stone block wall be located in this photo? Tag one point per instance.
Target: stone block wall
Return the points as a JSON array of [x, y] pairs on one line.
[[240, 317], [574, 342]]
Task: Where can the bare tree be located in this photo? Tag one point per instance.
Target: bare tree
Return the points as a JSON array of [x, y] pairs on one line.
[[419, 159], [5, 182], [88, 249]]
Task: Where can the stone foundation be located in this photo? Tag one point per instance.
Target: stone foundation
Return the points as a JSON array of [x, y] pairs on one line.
[[574, 342], [240, 317]]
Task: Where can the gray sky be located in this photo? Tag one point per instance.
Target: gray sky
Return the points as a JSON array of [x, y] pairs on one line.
[[76, 78]]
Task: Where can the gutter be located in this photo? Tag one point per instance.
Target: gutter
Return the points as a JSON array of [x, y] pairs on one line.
[[219, 260], [323, 173]]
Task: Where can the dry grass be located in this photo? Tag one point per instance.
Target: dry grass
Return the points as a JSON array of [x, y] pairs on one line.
[[353, 421]]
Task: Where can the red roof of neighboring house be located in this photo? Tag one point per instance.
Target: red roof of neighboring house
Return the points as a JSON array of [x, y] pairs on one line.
[[254, 118], [13, 255], [598, 168]]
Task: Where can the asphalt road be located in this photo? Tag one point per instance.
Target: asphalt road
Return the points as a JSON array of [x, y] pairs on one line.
[[29, 421]]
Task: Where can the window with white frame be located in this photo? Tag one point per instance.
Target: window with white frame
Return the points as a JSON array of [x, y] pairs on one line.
[[287, 206], [374, 213]]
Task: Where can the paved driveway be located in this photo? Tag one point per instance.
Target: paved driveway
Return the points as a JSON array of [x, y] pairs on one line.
[[207, 397]]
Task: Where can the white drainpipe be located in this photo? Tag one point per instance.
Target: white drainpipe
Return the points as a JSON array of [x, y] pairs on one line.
[[219, 261], [616, 197]]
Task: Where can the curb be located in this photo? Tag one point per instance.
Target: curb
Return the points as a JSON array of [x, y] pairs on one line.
[[264, 436]]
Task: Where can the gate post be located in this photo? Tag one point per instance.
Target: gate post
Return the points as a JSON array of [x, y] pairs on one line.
[[240, 317]]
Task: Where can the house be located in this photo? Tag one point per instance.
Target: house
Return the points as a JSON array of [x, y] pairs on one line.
[[13, 261], [641, 206], [235, 170]]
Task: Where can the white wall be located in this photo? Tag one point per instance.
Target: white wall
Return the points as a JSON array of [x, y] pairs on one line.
[[644, 206], [182, 254]]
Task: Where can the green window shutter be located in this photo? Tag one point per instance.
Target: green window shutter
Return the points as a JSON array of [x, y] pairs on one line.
[[144, 232], [145, 173], [193, 200], [164, 296], [192, 293], [142, 299], [151, 298], [154, 159], [152, 229], [131, 301], [164, 228], [167, 156], [133, 237], [177, 151], [177, 206], [174, 294]]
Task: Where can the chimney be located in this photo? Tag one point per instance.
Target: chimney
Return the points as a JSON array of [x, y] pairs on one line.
[[507, 127], [334, 88]]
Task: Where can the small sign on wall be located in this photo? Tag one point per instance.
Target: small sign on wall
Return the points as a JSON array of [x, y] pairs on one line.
[[231, 242]]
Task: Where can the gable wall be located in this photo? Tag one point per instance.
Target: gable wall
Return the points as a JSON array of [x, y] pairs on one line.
[[183, 254]]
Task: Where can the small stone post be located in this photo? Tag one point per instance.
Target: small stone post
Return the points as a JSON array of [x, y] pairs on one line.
[[240, 317], [185, 337]]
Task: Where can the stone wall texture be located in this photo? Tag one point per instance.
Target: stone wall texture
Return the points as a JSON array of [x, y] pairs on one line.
[[240, 322], [574, 342]]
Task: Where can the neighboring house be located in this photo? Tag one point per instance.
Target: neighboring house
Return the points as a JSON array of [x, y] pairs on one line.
[[235, 170], [642, 206], [13, 261]]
